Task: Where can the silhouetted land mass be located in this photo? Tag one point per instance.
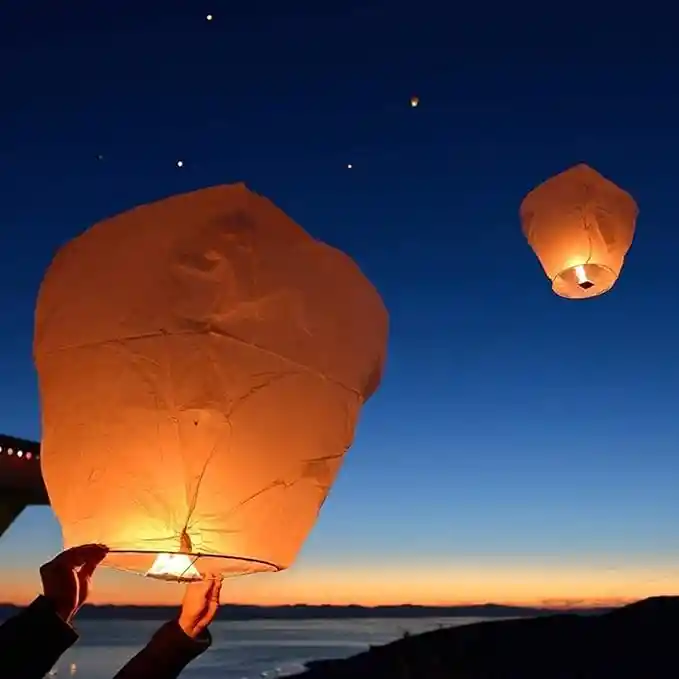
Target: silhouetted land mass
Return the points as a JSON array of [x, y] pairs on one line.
[[638, 641], [306, 612]]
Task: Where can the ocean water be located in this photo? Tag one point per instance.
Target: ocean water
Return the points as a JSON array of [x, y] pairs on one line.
[[250, 649]]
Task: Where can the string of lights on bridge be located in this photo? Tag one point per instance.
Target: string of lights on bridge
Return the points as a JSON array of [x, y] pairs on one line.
[[17, 452]]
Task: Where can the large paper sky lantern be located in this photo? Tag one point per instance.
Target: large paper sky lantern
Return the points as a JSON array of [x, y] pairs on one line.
[[580, 225], [202, 364]]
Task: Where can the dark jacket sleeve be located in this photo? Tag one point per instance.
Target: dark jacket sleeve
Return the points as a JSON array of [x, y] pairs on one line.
[[166, 655], [32, 641]]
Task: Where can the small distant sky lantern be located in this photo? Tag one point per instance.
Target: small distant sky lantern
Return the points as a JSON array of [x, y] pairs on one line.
[[580, 225], [414, 101], [202, 364]]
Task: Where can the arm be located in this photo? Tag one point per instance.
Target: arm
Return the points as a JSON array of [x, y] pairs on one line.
[[166, 655], [32, 642], [178, 642]]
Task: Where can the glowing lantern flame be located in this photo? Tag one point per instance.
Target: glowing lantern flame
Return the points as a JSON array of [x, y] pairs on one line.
[[414, 101], [174, 567], [581, 276]]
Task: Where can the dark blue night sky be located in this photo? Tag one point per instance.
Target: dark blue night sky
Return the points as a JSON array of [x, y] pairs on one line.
[[515, 432]]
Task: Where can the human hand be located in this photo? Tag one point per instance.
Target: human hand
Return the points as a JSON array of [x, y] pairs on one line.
[[201, 601], [66, 579]]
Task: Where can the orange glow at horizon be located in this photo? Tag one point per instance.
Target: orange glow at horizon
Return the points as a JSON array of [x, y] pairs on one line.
[[554, 587]]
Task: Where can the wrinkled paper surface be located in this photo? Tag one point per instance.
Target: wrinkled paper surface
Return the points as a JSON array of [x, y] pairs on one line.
[[202, 364]]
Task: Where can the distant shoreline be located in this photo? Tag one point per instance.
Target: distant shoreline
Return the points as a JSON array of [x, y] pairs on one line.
[[324, 612]]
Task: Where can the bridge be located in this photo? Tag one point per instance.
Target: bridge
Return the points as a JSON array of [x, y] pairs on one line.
[[21, 481]]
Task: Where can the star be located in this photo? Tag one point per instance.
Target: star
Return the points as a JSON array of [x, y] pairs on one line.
[[180, 163]]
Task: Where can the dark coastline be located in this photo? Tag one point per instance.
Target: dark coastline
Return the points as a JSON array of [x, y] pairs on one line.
[[308, 612], [638, 641]]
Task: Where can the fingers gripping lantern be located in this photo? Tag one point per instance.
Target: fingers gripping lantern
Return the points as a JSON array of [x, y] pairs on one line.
[[202, 364], [580, 225]]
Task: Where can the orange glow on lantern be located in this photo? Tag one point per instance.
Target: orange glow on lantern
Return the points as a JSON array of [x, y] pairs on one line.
[[202, 364], [580, 226], [176, 567]]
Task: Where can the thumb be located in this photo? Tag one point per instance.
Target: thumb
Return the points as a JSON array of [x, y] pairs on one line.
[[213, 601]]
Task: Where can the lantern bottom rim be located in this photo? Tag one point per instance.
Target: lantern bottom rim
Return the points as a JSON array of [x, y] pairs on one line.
[[582, 281], [204, 563]]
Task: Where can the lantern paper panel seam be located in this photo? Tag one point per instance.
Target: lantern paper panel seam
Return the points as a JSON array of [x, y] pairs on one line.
[[202, 364], [580, 226]]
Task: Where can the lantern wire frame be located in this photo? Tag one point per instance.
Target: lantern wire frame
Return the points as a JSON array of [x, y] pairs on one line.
[[596, 280], [256, 565]]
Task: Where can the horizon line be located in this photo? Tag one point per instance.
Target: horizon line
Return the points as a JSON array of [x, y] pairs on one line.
[[575, 605]]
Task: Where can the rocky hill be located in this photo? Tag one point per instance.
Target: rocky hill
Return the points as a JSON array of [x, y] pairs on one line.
[[639, 641]]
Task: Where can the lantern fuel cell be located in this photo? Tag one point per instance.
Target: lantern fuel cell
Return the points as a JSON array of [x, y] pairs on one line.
[[202, 363], [581, 226]]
